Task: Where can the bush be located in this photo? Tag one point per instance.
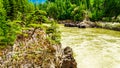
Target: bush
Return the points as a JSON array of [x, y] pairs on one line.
[[96, 15], [77, 13], [106, 19], [9, 31], [53, 33], [37, 17]]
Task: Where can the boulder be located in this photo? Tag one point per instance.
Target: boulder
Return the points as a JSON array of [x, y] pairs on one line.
[[86, 24], [70, 25], [68, 59]]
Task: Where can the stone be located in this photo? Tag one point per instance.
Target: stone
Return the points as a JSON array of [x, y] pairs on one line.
[[68, 59]]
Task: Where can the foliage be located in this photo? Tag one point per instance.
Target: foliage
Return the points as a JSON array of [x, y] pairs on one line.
[[13, 7], [65, 9], [112, 8], [52, 10], [78, 13], [53, 33], [9, 31], [15, 15], [37, 17]]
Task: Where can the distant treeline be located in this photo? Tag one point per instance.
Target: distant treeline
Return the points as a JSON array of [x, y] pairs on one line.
[[105, 10]]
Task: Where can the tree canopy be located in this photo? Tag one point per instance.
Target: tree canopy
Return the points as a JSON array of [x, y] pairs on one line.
[[75, 9]]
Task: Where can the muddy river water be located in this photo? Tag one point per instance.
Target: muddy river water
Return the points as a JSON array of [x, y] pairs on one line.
[[93, 47]]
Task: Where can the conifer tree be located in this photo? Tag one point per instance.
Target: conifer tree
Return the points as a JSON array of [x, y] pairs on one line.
[[2, 21], [13, 9], [7, 7]]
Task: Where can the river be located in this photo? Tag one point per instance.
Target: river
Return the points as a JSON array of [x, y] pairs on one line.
[[93, 47]]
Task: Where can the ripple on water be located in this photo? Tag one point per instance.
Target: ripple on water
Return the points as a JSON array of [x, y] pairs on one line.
[[93, 47]]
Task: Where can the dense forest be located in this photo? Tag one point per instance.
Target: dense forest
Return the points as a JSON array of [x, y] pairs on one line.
[[23, 20], [105, 10]]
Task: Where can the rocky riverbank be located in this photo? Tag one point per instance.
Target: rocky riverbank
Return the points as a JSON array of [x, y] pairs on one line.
[[80, 24], [32, 49], [89, 24], [108, 25]]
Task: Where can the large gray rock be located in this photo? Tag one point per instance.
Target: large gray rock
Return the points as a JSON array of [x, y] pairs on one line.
[[86, 24]]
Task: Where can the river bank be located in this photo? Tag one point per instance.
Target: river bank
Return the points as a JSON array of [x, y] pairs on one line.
[[108, 25], [90, 24]]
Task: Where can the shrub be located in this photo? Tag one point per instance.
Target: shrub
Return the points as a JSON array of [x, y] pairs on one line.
[[37, 17], [8, 33], [53, 33]]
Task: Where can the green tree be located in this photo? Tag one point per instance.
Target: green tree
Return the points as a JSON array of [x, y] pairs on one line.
[[51, 0], [97, 10], [52, 10], [7, 8], [13, 9], [112, 8], [78, 13]]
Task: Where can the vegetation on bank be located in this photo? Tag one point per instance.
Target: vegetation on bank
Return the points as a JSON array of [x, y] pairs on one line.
[[25, 40], [78, 10], [108, 25], [16, 16]]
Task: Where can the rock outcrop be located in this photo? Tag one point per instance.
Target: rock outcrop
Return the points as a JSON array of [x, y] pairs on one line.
[[33, 50], [86, 23], [68, 59]]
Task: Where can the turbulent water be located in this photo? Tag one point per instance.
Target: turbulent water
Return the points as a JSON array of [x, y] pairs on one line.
[[93, 47]]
